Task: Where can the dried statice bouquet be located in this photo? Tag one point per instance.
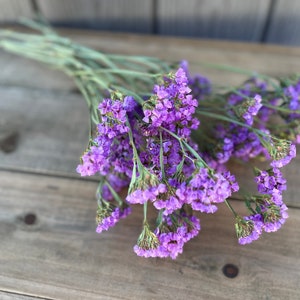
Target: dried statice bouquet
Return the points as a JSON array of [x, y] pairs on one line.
[[166, 136]]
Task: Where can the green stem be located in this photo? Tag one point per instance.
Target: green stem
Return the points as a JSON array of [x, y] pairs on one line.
[[159, 219], [135, 153], [286, 110], [115, 195], [98, 192], [230, 208], [183, 143], [227, 119], [145, 213], [161, 157], [119, 72], [223, 118]]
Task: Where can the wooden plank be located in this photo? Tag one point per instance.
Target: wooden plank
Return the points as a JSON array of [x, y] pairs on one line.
[[61, 257], [128, 15], [284, 23], [37, 75], [14, 296], [13, 10], [234, 19], [51, 127]]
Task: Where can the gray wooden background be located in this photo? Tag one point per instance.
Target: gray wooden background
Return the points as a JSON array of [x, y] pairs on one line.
[[265, 21]]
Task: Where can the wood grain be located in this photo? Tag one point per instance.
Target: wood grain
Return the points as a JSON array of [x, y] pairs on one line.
[[52, 129], [128, 15], [60, 256], [284, 23], [12, 10], [233, 19], [14, 296]]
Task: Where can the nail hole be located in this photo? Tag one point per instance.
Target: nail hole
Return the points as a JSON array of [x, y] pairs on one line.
[[30, 219], [8, 141], [75, 91], [230, 270]]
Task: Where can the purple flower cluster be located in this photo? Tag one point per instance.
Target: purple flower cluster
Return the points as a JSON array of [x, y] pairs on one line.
[[108, 218], [271, 182], [202, 192], [237, 141], [110, 155], [171, 236], [252, 108], [151, 193], [269, 212], [110, 150], [274, 217], [249, 229], [205, 190], [117, 182], [270, 219], [172, 107], [149, 147], [287, 154], [292, 93], [251, 88]]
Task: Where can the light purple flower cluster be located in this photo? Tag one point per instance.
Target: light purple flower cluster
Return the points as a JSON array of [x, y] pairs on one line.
[[270, 219], [252, 108], [249, 229], [110, 150], [172, 107], [271, 182], [151, 193], [171, 236], [292, 93], [202, 192], [269, 212], [287, 155], [108, 218], [110, 155], [205, 190], [237, 141]]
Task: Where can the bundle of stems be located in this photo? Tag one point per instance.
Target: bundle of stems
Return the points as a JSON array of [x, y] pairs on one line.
[[95, 73], [142, 113]]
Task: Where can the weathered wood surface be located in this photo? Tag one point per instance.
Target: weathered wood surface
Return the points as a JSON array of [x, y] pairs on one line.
[[14, 296], [233, 19], [121, 15], [60, 256], [12, 10], [51, 127], [284, 23], [274, 21]]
